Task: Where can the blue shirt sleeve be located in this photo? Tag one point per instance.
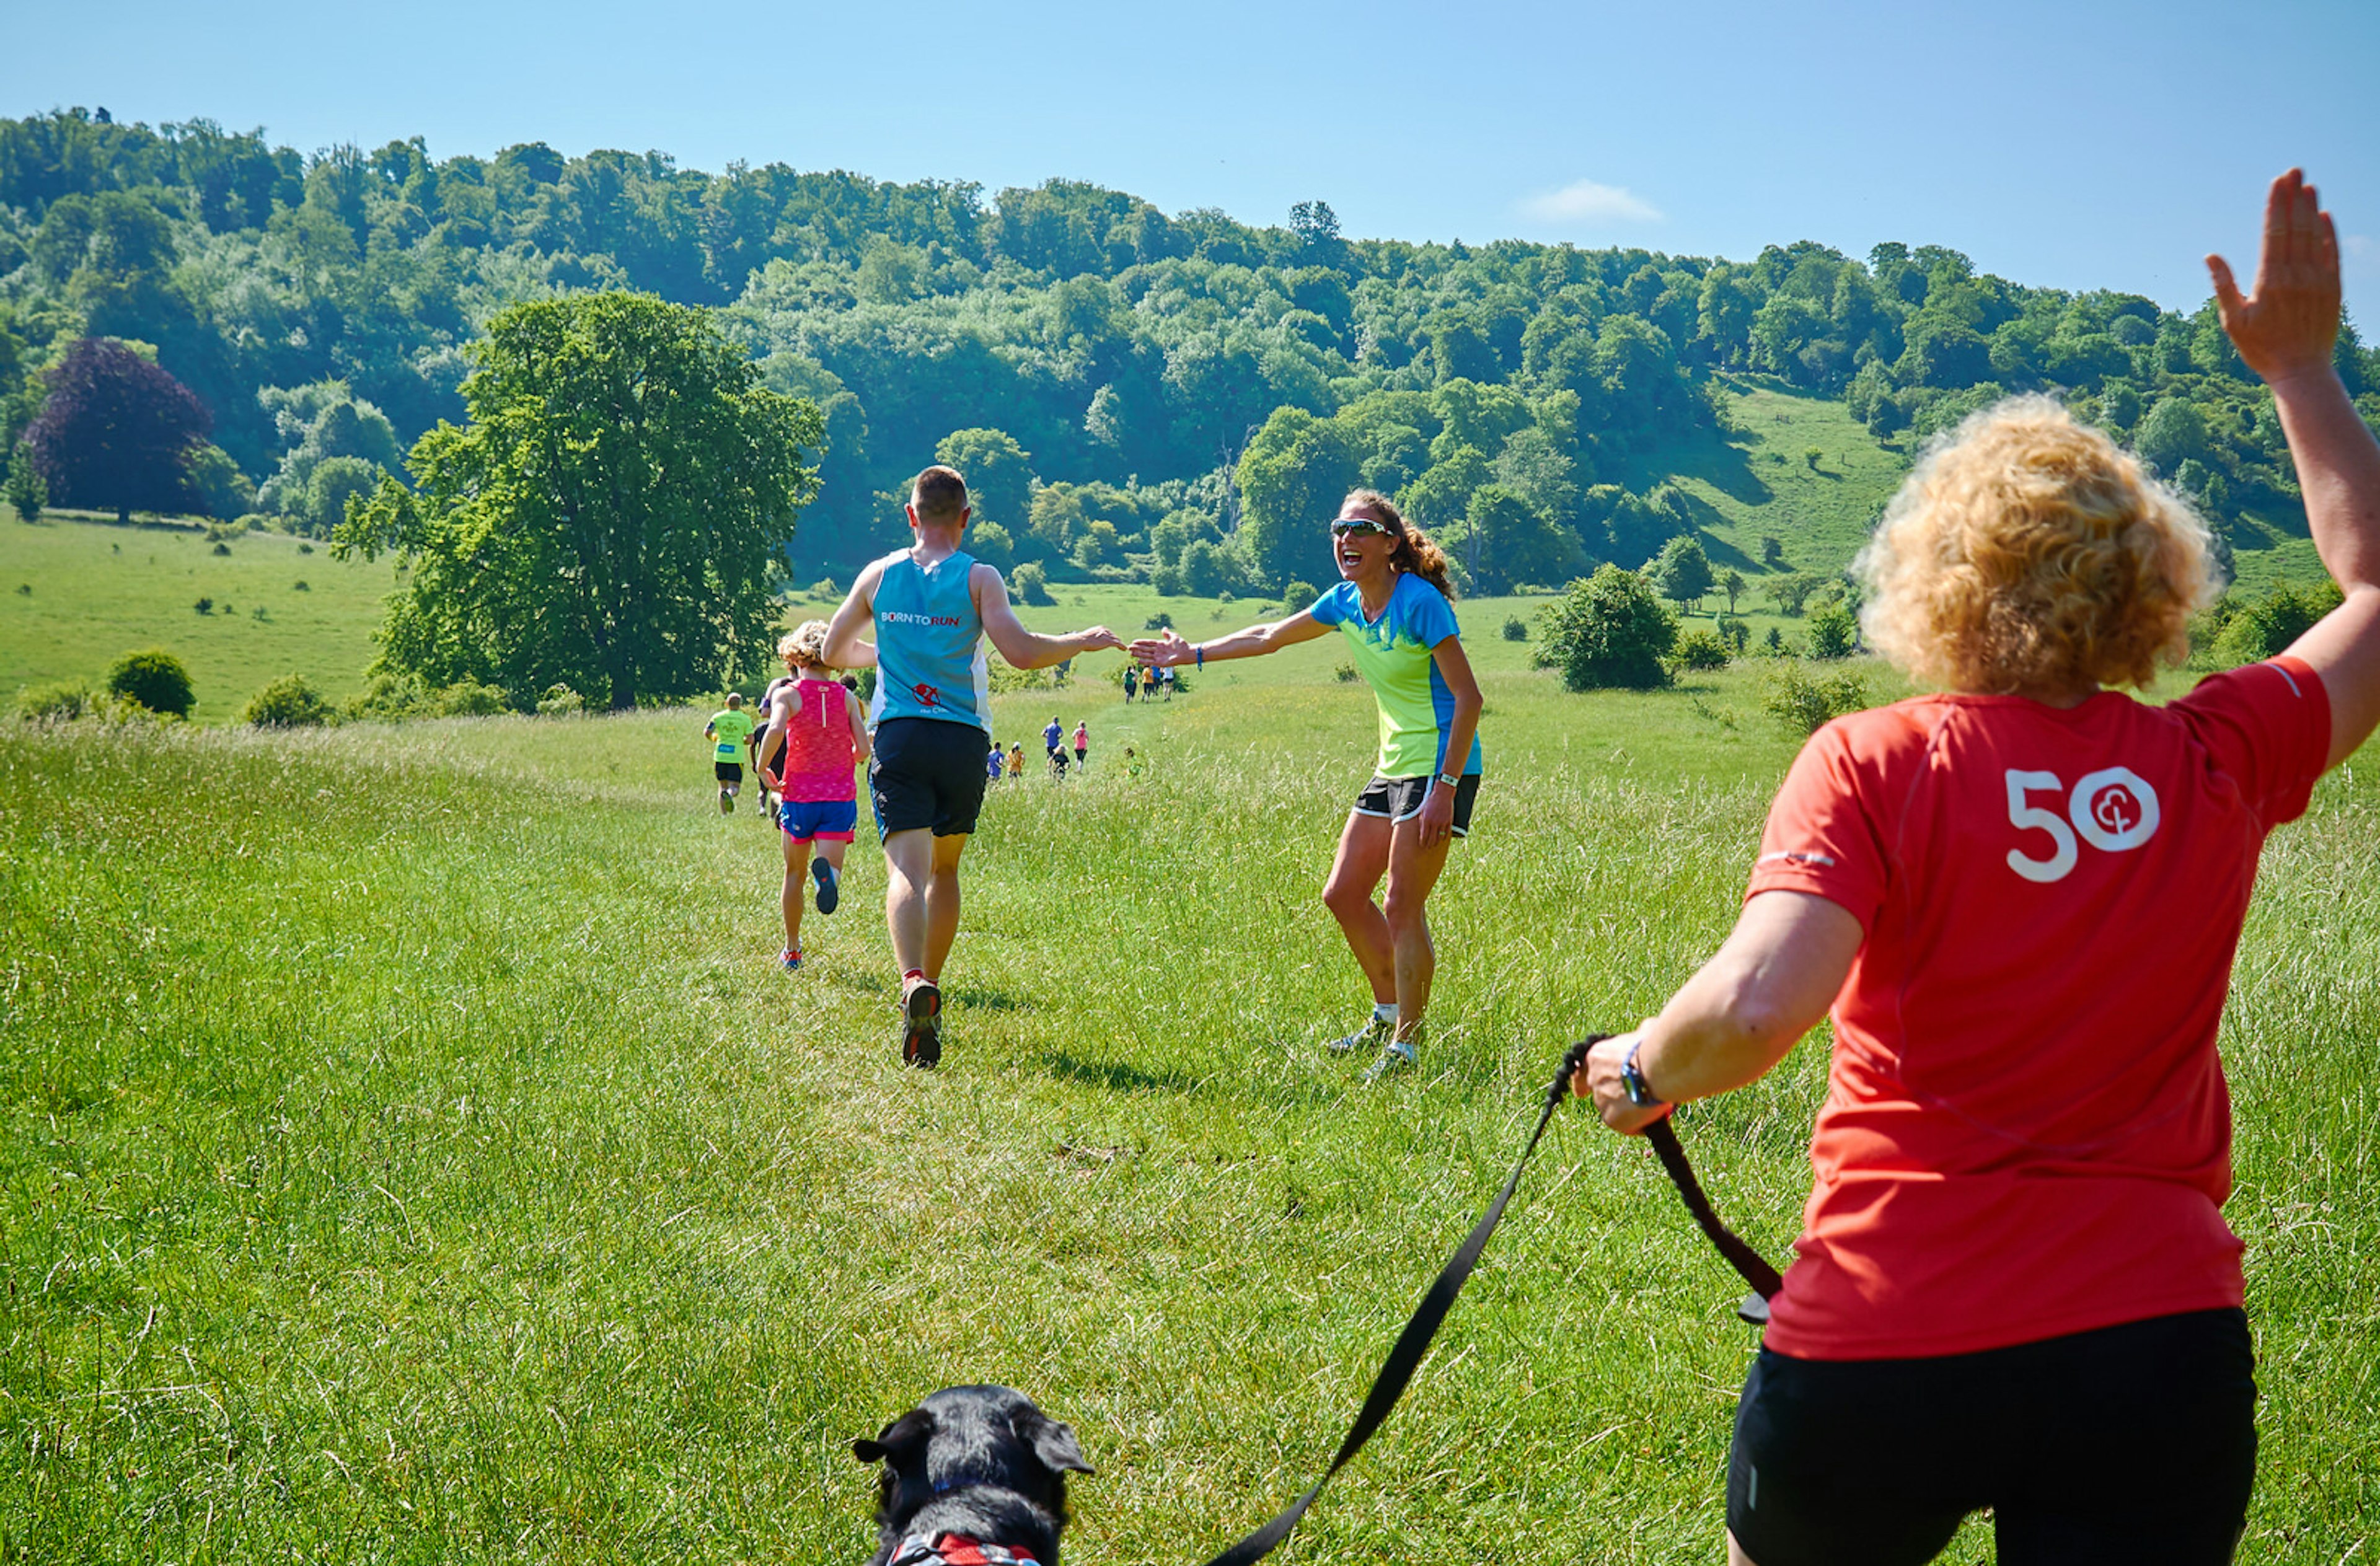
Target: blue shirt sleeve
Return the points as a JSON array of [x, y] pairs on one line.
[[1427, 617], [1335, 605]]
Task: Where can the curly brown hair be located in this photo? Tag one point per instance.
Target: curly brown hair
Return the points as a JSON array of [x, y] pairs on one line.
[[2026, 551], [1414, 551]]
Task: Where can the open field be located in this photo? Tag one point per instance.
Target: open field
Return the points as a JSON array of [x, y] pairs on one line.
[[408, 1151]]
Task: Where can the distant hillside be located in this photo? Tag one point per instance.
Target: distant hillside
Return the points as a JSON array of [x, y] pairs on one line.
[[1126, 385]]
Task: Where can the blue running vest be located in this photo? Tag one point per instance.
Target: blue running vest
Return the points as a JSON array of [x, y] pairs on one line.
[[929, 661]]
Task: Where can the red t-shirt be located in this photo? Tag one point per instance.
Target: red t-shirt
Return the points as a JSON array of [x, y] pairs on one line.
[[2026, 1131]]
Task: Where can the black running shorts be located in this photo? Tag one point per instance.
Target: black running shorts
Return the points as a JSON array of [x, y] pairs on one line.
[[728, 771], [2130, 1443], [927, 773], [1401, 799]]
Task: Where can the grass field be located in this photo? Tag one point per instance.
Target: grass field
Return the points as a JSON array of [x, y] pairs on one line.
[[408, 1151]]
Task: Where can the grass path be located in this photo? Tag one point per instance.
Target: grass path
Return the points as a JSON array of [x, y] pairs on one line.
[[409, 1152]]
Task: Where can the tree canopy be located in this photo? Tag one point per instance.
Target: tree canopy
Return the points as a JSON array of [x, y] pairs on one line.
[[613, 517], [115, 432]]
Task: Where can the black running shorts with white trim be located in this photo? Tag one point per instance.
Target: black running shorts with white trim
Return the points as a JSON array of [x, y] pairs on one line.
[[927, 773], [2129, 1444], [1401, 799], [728, 771]]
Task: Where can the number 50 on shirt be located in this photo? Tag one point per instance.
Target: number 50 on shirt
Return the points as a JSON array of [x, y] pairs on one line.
[[2112, 810]]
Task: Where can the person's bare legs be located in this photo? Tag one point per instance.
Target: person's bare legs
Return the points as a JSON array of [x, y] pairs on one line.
[[797, 863], [1412, 871], [943, 903], [1362, 860], [921, 898]]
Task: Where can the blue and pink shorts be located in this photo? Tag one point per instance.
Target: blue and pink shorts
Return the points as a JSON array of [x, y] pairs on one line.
[[830, 820]]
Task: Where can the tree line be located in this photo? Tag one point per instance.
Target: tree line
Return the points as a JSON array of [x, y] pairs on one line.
[[1138, 396]]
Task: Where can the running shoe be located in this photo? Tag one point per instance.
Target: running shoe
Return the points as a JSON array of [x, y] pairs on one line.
[[921, 1026], [1398, 1056], [1374, 1033], [829, 885], [789, 959], [727, 803]]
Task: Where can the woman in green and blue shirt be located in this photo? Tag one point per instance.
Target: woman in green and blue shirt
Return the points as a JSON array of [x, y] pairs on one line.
[[1395, 606]]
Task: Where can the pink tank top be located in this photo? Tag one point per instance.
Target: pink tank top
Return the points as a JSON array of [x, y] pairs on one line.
[[817, 759]]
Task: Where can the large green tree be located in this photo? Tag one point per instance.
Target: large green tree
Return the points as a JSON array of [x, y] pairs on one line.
[[613, 517], [1293, 476]]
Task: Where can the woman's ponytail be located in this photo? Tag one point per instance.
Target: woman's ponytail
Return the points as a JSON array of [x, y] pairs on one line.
[[1414, 551]]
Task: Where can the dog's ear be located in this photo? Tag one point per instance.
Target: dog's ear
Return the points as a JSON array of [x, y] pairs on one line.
[[901, 1440], [1053, 1443]]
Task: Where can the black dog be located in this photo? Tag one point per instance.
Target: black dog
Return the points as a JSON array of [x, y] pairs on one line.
[[973, 1474]]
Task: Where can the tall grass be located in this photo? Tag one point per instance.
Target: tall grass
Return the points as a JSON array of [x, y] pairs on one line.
[[409, 1151]]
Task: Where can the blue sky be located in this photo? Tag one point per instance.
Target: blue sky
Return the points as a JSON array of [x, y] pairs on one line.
[[2077, 145]]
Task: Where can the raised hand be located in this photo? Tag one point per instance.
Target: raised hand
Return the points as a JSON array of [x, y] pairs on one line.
[[2287, 327], [1158, 652]]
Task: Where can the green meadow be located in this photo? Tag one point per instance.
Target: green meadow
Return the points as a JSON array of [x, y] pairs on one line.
[[411, 1152]]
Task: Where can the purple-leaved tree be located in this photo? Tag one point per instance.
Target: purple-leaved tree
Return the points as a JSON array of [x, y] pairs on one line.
[[115, 432]]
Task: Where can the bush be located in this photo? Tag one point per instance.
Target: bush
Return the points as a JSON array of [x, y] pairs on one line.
[[153, 678], [301, 587], [221, 548], [825, 588], [392, 698], [1735, 633], [287, 703], [25, 490], [1803, 705], [1609, 630], [1160, 621], [559, 701], [1516, 630], [1032, 584], [1700, 651], [1833, 632], [2256, 629], [470, 699], [205, 606], [1167, 580], [1297, 595], [59, 701], [1348, 674]]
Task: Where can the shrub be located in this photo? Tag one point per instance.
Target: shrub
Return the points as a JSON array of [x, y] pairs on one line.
[[470, 699], [1700, 651], [2256, 629], [1773, 644], [25, 490], [304, 548], [287, 703], [154, 678], [1160, 621], [1516, 630], [1833, 632], [1347, 672], [59, 701], [559, 701], [825, 588], [1032, 584], [205, 606], [1297, 595], [301, 587], [1803, 705], [1735, 633], [1609, 630], [221, 548], [1167, 580]]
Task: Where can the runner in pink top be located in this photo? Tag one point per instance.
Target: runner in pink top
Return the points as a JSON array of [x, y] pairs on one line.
[[817, 734]]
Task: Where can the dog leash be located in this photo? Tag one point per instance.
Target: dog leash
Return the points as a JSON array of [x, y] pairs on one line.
[[1413, 1342]]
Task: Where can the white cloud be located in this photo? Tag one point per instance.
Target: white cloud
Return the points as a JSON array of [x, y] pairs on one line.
[[1586, 202]]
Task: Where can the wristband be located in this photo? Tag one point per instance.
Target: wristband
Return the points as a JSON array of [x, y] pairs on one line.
[[1450, 783], [1200, 654], [1640, 1092]]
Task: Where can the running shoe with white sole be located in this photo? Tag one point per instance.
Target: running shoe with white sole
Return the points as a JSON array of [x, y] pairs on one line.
[[830, 887], [1400, 1055], [789, 959], [727, 803], [1376, 1032], [921, 1026]]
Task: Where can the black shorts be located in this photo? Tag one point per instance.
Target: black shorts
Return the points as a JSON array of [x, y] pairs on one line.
[[728, 771], [927, 773], [2131, 1443], [1400, 799]]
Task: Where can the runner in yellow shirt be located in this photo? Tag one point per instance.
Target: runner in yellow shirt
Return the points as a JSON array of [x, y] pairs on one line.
[[728, 731]]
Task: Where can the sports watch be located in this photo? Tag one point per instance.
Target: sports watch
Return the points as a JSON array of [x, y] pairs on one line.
[[1450, 783], [1640, 1092]]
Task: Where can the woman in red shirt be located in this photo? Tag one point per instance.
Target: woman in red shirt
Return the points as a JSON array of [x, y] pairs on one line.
[[2014, 1287]]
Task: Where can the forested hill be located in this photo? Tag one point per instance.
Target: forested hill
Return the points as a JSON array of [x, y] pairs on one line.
[[1134, 392]]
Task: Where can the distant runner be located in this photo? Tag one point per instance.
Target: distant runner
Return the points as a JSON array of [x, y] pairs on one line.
[[728, 731], [1051, 738], [1394, 605], [817, 734], [1083, 743], [932, 606]]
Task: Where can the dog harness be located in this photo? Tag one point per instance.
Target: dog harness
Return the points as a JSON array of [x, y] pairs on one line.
[[957, 1550]]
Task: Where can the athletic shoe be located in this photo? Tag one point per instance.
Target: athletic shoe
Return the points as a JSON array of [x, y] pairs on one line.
[[829, 885], [921, 1026], [1374, 1033], [727, 803], [789, 959], [1398, 1056]]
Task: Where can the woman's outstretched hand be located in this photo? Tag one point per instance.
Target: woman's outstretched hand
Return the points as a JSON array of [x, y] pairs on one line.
[[1161, 651], [2286, 328]]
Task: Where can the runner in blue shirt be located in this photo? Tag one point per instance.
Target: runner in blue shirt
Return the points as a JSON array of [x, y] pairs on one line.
[[932, 606]]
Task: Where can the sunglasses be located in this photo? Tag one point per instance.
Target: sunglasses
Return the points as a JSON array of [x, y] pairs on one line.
[[1361, 526]]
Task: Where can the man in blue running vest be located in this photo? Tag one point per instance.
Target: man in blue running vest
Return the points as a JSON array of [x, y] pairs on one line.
[[932, 606]]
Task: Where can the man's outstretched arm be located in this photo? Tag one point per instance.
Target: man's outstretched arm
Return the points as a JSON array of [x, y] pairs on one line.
[[1025, 648]]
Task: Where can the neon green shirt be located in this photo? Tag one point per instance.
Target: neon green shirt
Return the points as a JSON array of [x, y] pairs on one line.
[[729, 728], [1393, 655]]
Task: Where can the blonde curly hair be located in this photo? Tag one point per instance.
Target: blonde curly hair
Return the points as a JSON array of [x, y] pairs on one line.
[[2027, 550], [804, 645]]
